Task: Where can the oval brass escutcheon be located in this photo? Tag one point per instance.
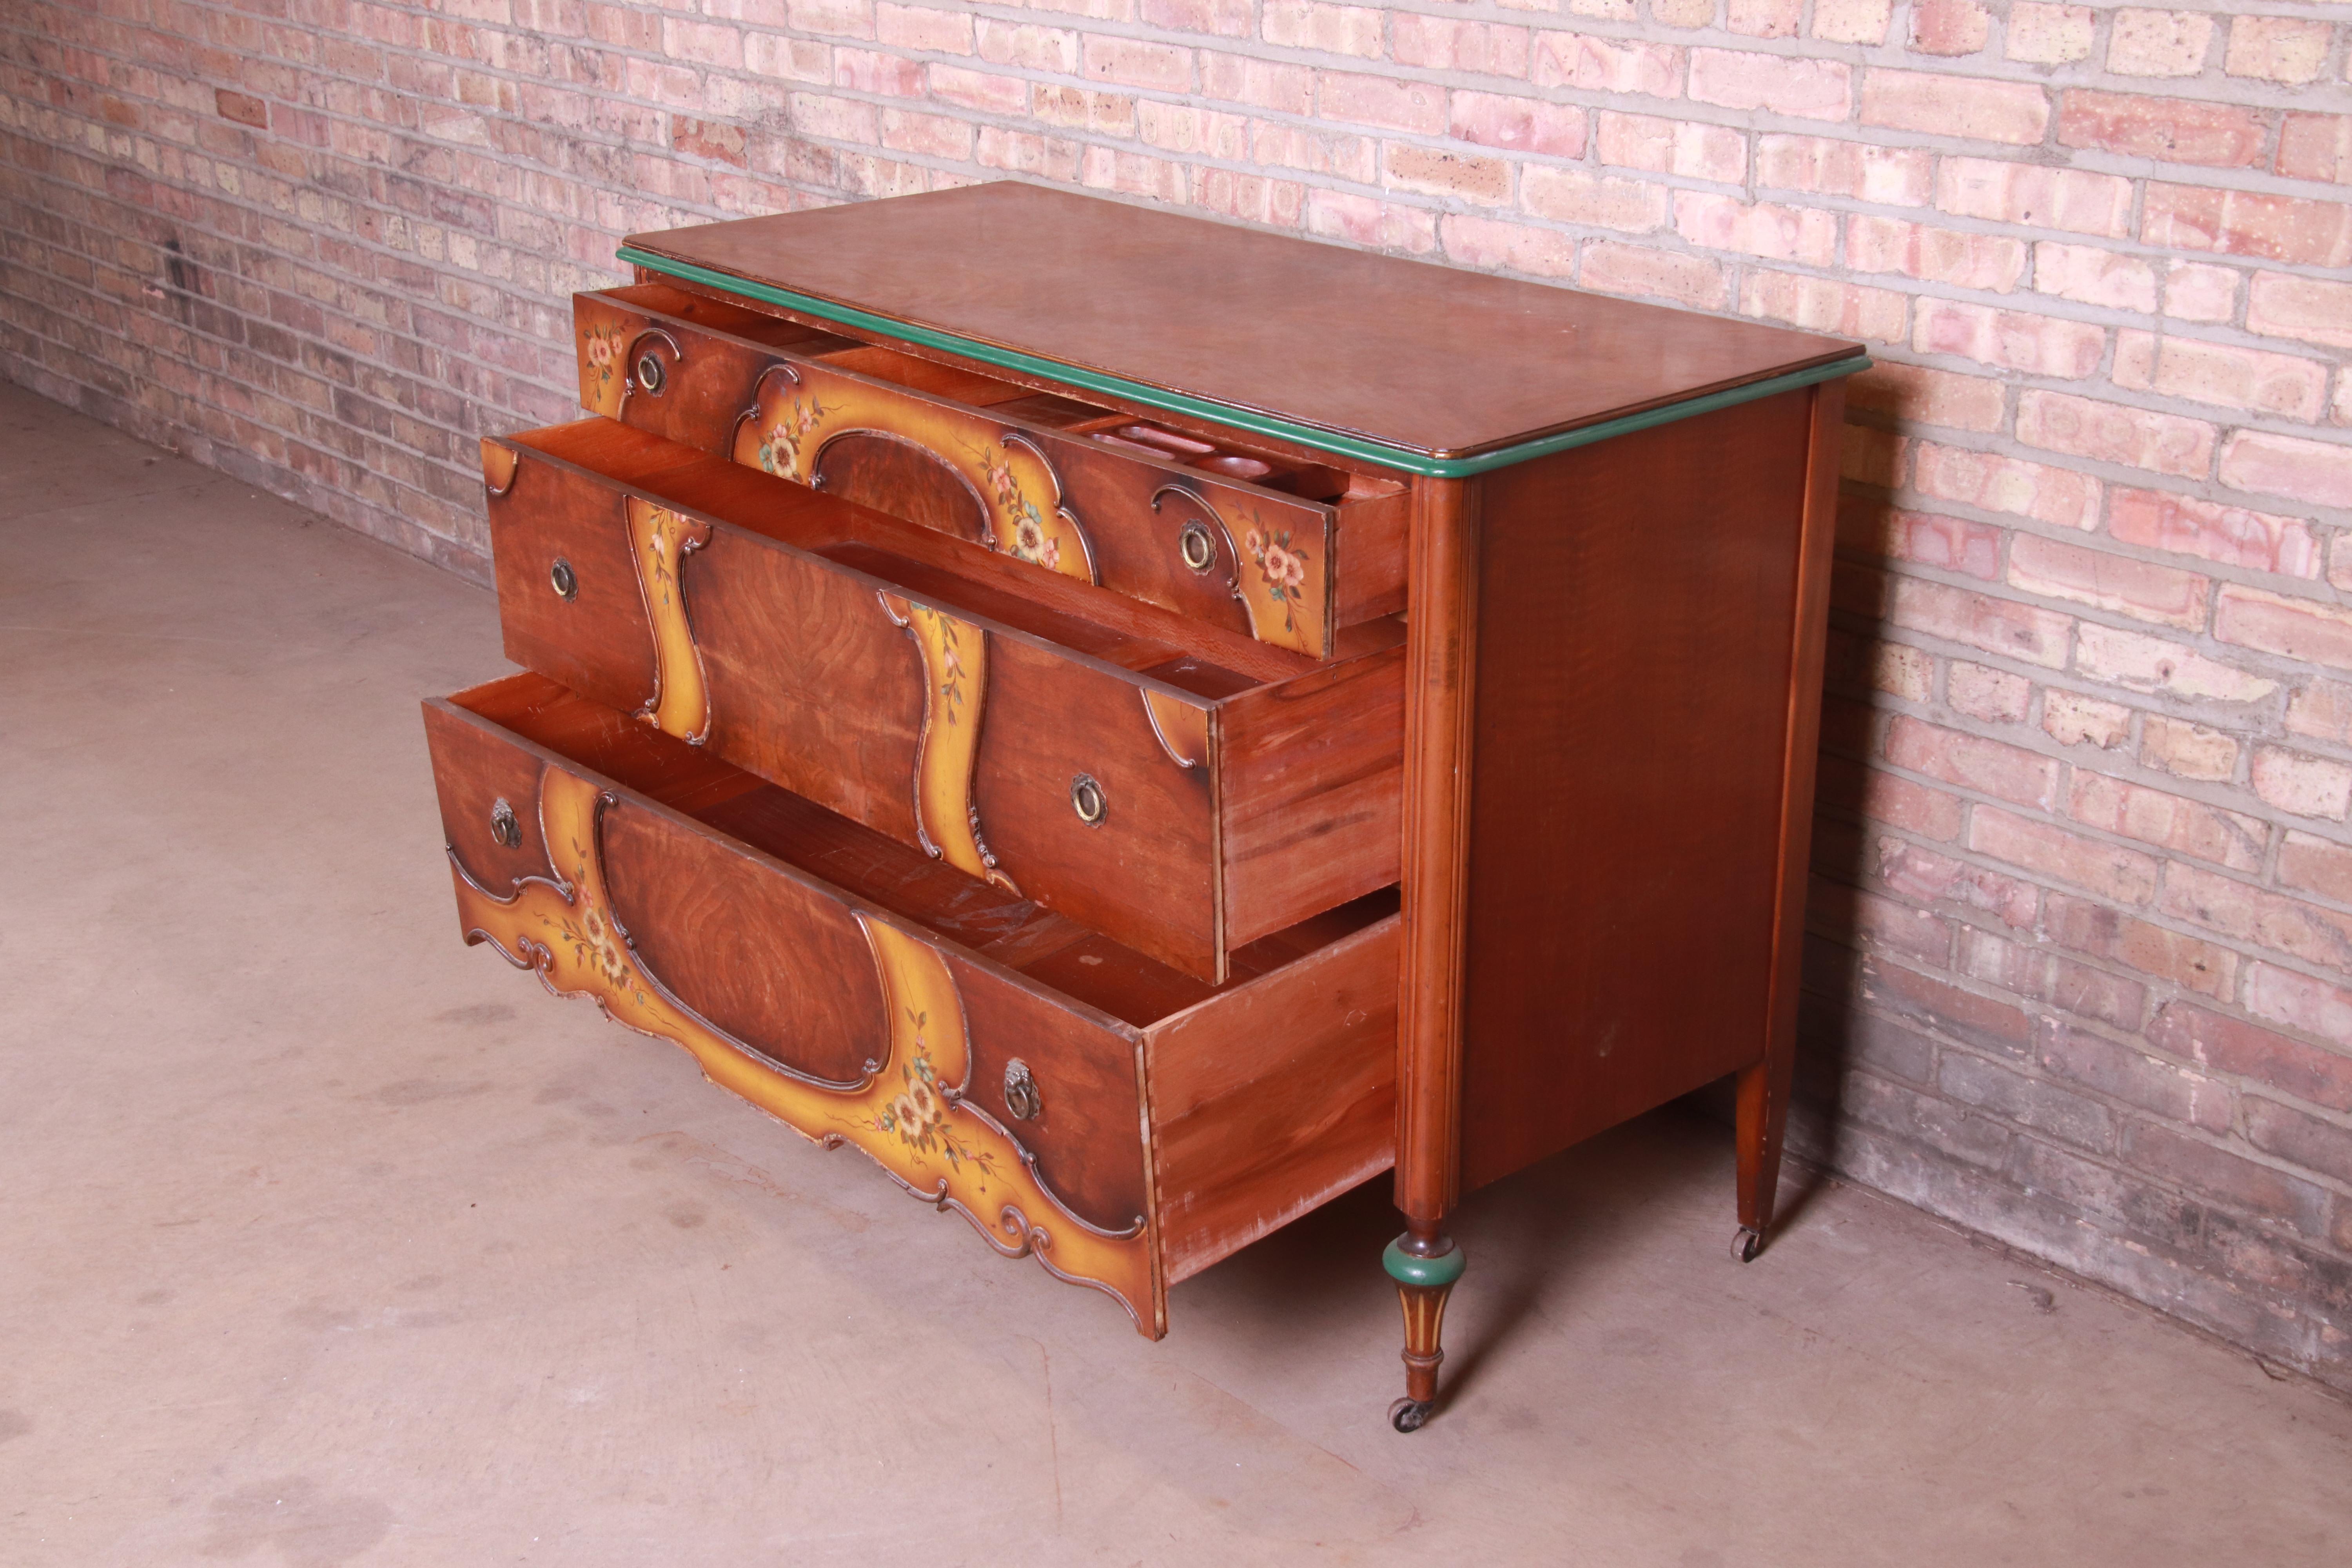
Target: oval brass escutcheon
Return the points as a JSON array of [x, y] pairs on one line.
[[1198, 548], [1021, 1091], [505, 830], [1087, 795], [565, 580], [650, 373]]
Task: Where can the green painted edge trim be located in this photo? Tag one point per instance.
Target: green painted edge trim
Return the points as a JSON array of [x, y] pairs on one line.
[[1356, 447], [1406, 1269]]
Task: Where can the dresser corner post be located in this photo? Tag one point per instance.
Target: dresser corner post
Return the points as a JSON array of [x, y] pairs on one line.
[[1763, 1090], [1441, 645]]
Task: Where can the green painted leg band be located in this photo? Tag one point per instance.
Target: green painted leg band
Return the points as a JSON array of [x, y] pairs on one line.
[[1406, 1269]]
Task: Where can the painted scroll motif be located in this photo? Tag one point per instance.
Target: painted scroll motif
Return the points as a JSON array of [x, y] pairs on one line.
[[799, 408], [660, 541], [906, 1111], [954, 662]]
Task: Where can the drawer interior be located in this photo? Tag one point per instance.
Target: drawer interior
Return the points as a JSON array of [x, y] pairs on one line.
[[1050, 949], [1219, 454]]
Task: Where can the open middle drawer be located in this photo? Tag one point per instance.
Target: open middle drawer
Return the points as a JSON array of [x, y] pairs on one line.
[[1075, 1100], [1182, 789]]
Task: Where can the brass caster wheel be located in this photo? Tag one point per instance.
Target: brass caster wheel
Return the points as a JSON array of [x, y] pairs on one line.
[[1745, 1244], [1407, 1414]]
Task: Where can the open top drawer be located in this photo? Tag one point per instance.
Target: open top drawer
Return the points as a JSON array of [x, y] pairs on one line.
[[1075, 1100], [1185, 790], [1238, 537]]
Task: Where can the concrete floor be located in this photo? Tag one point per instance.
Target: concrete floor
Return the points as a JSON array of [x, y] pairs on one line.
[[325, 1239]]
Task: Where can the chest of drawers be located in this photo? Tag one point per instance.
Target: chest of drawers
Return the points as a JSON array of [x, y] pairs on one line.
[[1139, 725]]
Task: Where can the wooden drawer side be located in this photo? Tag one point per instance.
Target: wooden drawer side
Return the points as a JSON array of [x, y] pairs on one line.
[[1273, 1099]]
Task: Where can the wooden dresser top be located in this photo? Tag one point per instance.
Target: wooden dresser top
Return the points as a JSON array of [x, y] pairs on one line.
[[1405, 354]]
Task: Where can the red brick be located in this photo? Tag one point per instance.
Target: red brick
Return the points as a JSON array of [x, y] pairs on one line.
[[1941, 254], [2170, 129], [2156, 664], [1916, 392], [2300, 783], [1949, 26], [1441, 43], [2316, 147], [1972, 107], [922, 27], [1953, 543], [2095, 276], [1131, 62], [1989, 767], [1851, 21], [1850, 914], [2196, 292], [1764, 18], [1990, 1023], [2187, 750], [2247, 913], [1580, 196], [2082, 925], [2277, 49], [2315, 865], [2167, 821], [241, 107], [2075, 200], [1893, 176], [1899, 801], [1825, 305], [704, 139], [2013, 340], [2307, 1141], [2115, 433], [2140, 589], [2119, 875], [2273, 1060], [1613, 269], [984, 91], [1766, 229], [2055, 496], [1870, 456], [2134, 1077], [1607, 65], [1519, 125], [2316, 1006], [1365, 220], [2281, 306], [2283, 384], [1923, 877], [1777, 84], [1484, 242], [1333, 29], [1989, 695], [2072, 719], [2261, 540], [1226, 19], [1262, 84], [2248, 223], [1673, 147], [2215, 1173], [2049, 35], [2315, 471], [1380, 101], [2323, 711], [1022, 43], [2159, 43], [1980, 621]]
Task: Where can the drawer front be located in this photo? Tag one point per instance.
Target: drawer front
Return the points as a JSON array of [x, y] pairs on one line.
[[1177, 825], [1289, 570], [847, 1023]]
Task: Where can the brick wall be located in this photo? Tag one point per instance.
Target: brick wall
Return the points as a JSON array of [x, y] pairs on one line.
[[2082, 969]]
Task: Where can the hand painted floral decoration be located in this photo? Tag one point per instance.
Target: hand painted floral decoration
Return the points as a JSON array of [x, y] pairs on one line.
[[600, 363], [1283, 567], [918, 1113], [1030, 541], [780, 443]]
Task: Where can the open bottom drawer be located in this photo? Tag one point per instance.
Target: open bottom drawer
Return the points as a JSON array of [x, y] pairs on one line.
[[1124, 1124]]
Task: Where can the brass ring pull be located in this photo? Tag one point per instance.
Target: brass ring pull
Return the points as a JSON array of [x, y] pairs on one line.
[[650, 373], [505, 831], [564, 580], [1020, 1095], [1197, 546], [1086, 796]]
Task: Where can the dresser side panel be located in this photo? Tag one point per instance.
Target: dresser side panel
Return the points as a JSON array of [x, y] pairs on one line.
[[1636, 605]]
